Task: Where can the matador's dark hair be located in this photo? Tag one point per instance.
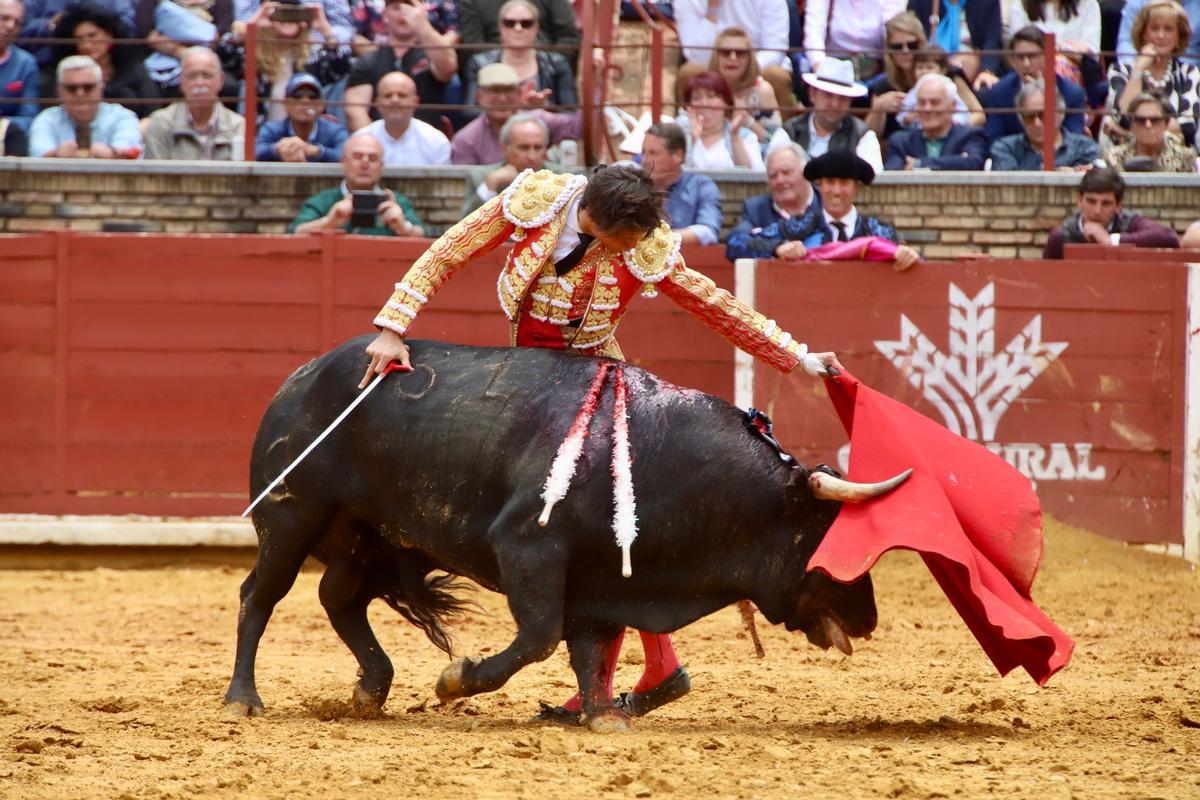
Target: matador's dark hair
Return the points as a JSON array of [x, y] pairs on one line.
[[624, 198]]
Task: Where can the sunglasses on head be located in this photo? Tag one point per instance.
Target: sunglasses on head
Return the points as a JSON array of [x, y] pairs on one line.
[[911, 45], [79, 88], [519, 23]]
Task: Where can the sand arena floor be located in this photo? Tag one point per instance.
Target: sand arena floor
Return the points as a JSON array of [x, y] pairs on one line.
[[111, 680]]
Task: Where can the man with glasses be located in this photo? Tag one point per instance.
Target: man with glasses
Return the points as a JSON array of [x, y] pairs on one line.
[[1028, 62], [1023, 151], [333, 209], [305, 134], [409, 34], [83, 126], [1101, 220], [18, 80], [500, 96], [1151, 148], [196, 128]]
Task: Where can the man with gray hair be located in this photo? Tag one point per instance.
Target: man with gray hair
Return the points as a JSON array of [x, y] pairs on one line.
[[791, 196], [524, 139], [1023, 151], [84, 126], [937, 143], [196, 128]]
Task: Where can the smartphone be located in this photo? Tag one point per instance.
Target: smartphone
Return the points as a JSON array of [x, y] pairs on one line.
[[365, 206], [292, 12], [83, 136]]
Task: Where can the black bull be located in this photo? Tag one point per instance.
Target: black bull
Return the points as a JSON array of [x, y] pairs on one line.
[[441, 470]]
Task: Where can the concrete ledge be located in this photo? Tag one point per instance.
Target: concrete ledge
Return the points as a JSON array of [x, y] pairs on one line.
[[133, 531]]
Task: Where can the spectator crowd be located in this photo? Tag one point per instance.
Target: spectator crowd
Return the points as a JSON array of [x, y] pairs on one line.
[[855, 87]]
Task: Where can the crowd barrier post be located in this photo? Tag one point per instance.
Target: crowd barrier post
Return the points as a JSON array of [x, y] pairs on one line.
[[656, 72], [1049, 103], [587, 81], [250, 95]]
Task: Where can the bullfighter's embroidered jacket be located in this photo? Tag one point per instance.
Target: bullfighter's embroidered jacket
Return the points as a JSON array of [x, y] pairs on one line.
[[584, 305]]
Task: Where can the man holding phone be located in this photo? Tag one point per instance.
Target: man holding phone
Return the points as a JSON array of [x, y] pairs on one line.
[[84, 126], [360, 205]]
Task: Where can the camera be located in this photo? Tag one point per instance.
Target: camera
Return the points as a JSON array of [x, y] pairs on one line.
[[366, 204], [292, 12]]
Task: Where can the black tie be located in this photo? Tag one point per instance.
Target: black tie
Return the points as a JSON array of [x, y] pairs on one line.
[[841, 231], [568, 262]]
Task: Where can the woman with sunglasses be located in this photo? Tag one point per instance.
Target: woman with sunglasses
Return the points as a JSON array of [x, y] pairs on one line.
[[903, 37], [1150, 142], [733, 58], [1161, 32], [546, 77]]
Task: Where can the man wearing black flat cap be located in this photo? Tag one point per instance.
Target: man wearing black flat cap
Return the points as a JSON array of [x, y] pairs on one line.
[[838, 176]]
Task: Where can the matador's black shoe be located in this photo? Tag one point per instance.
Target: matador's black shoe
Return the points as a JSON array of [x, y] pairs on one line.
[[556, 714], [639, 704]]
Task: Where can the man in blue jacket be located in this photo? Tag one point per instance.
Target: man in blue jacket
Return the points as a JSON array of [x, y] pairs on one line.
[[18, 70], [1028, 61], [305, 135], [937, 143], [791, 196]]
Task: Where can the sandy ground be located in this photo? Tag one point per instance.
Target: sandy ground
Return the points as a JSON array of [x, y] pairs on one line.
[[111, 682]]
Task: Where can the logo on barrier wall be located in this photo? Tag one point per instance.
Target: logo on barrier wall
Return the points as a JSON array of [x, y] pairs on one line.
[[975, 383]]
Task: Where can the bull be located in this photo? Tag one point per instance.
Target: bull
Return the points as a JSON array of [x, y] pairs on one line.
[[439, 474]]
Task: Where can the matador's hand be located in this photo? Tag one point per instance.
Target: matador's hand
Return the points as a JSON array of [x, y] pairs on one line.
[[387, 347]]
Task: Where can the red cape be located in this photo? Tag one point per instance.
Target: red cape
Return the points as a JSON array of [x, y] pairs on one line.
[[974, 520]]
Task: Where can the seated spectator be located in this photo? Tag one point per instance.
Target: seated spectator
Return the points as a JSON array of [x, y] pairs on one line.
[[13, 139], [371, 28], [1191, 237], [967, 31], [306, 135], [107, 130], [1152, 148], [718, 136], [1101, 220], [410, 32], [407, 142], [764, 22], [1023, 151], [332, 209], [1074, 23], [840, 30], [336, 12], [937, 143], [197, 128], [791, 196], [93, 30], [18, 73], [525, 138], [829, 126], [547, 73], [967, 109], [1128, 52], [733, 59], [479, 23], [42, 18], [693, 200], [500, 97], [1160, 33], [838, 176], [904, 38], [284, 49], [171, 27], [1028, 61]]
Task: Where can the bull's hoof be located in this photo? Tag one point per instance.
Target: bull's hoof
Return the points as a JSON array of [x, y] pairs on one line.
[[673, 687], [366, 699], [242, 709], [450, 682], [610, 721], [558, 715]]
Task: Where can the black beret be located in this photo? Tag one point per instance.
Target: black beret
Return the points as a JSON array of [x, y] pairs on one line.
[[839, 164]]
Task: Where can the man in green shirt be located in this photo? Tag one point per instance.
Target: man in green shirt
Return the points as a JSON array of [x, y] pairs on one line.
[[362, 165]]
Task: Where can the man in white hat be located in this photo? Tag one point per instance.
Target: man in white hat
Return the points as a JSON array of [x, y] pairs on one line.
[[829, 126]]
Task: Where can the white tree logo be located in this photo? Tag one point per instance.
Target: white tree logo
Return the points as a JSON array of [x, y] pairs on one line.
[[974, 385]]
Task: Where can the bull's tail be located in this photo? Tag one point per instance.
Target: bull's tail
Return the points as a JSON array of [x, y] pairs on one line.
[[403, 581]]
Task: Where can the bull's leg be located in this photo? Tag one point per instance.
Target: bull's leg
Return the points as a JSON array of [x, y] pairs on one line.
[[590, 651], [281, 552], [532, 574], [345, 599]]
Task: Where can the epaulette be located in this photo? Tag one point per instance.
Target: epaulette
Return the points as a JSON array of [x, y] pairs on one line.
[[654, 256], [535, 198]]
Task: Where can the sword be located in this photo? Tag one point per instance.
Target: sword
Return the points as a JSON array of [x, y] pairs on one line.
[[394, 366]]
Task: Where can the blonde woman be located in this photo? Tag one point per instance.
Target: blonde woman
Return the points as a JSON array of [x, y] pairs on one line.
[[733, 59], [904, 37]]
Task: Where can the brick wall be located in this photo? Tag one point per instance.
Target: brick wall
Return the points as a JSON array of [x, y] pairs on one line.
[[943, 214]]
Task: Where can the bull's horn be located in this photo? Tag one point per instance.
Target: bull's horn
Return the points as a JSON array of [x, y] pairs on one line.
[[826, 487], [836, 635]]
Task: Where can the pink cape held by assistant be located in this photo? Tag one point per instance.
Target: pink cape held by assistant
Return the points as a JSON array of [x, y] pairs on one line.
[[974, 520]]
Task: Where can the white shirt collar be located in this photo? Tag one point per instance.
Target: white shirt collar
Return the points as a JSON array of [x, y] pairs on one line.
[[850, 220]]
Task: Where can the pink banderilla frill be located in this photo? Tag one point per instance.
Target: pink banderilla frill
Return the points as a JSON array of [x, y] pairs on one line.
[[567, 458]]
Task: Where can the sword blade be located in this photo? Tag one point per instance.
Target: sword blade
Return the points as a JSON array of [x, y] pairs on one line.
[[354, 403]]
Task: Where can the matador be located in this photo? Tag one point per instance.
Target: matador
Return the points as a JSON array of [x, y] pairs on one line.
[[582, 251]]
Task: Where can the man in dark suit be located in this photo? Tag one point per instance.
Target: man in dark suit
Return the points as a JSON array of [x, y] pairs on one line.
[[1028, 60], [938, 143], [791, 195]]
